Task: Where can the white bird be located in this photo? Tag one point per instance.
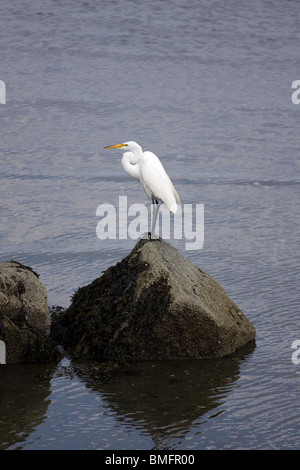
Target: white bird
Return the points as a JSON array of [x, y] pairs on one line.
[[147, 168]]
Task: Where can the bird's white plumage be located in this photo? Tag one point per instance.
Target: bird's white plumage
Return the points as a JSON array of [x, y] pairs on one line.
[[147, 168], [158, 182]]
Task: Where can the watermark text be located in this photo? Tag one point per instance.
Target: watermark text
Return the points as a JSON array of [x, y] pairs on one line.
[[2, 92], [133, 222], [2, 352], [296, 354], [296, 94]]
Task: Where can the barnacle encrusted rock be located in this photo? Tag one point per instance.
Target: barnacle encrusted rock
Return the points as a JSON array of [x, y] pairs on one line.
[[24, 315], [153, 304]]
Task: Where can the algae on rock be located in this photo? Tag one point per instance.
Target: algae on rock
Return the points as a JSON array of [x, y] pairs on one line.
[[24, 315], [152, 305]]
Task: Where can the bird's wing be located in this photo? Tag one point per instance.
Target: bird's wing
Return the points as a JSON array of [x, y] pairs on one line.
[[174, 191], [158, 182]]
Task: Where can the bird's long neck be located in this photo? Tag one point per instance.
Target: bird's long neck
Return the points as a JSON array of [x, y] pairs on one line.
[[131, 163]]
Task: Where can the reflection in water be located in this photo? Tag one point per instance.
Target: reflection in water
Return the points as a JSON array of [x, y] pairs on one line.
[[165, 398], [24, 399], [74, 404]]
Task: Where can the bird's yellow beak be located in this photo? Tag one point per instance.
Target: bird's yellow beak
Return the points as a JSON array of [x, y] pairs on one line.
[[118, 146]]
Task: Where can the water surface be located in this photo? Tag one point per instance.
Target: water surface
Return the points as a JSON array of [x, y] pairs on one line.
[[207, 87]]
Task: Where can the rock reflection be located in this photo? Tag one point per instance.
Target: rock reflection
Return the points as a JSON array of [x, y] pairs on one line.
[[165, 398], [24, 389]]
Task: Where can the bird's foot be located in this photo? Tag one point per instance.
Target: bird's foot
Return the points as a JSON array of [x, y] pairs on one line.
[[154, 236], [146, 236], [149, 236]]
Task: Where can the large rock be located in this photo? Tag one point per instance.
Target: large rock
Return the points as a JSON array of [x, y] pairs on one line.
[[153, 304], [24, 315]]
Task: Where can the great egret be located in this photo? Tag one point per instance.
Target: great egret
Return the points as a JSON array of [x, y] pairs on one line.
[[147, 168]]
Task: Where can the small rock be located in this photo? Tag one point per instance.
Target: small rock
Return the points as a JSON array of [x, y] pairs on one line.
[[24, 315]]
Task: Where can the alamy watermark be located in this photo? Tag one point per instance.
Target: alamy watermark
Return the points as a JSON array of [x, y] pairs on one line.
[[296, 354], [123, 222], [2, 352], [2, 92], [296, 94]]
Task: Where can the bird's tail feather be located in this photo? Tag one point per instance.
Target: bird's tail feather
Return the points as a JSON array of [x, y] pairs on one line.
[[173, 208]]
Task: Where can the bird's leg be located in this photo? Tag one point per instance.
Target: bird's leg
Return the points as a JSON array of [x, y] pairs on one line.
[[146, 236], [154, 218]]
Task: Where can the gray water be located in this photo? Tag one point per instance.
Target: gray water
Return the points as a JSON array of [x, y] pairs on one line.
[[207, 87]]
